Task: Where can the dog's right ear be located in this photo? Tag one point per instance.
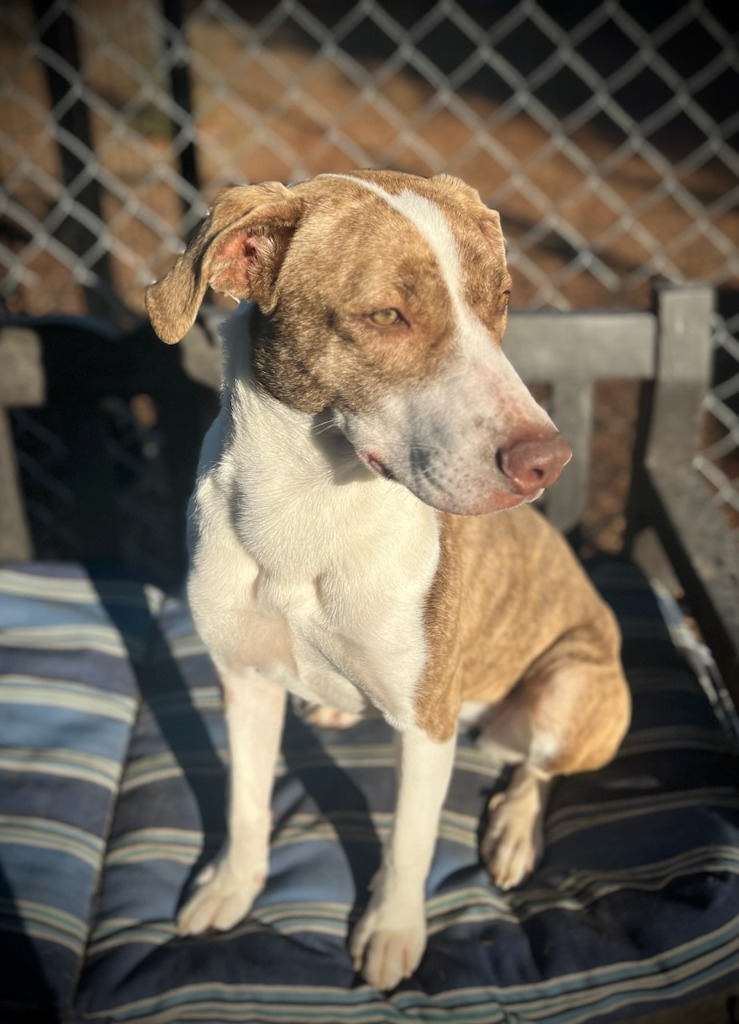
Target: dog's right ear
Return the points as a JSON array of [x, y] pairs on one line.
[[237, 250]]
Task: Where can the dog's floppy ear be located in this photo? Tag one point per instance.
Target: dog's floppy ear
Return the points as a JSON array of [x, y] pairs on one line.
[[238, 250]]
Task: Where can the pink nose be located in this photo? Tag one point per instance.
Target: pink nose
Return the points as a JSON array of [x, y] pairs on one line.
[[534, 462]]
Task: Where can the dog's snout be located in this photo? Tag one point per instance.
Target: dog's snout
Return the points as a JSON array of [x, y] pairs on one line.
[[531, 464]]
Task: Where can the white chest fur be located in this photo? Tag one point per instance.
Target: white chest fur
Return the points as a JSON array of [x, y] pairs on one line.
[[290, 529]]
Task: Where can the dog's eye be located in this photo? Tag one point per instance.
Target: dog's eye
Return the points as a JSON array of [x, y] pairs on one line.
[[385, 317], [502, 301]]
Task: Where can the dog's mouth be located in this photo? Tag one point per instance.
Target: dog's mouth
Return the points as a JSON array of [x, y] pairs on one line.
[[429, 484], [375, 463]]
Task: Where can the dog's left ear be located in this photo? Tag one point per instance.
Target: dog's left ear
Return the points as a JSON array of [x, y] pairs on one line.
[[238, 250]]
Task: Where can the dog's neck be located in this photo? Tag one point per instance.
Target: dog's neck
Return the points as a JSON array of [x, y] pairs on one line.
[[313, 439], [300, 485]]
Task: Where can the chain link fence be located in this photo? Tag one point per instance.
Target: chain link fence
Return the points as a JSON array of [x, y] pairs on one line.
[[605, 133]]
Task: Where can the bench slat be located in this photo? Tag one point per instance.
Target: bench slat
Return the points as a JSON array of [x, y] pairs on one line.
[[582, 346]]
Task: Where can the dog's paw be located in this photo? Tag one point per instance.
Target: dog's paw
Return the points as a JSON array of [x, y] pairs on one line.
[[224, 895], [387, 945], [513, 840], [324, 717]]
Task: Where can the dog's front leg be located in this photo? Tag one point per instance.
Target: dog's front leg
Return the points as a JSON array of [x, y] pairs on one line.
[[255, 711], [389, 940]]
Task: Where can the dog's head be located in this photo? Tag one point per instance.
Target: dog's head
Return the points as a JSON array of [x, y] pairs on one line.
[[384, 299]]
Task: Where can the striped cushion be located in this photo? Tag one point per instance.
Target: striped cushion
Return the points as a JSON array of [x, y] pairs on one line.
[[633, 908], [67, 706]]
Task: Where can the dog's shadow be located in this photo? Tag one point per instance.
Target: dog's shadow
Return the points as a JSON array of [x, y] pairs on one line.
[[332, 790], [163, 686], [338, 798]]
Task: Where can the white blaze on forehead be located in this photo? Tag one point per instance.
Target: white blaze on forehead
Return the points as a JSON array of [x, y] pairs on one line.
[[475, 346], [433, 226]]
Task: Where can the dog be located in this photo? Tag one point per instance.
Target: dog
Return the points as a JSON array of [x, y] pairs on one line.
[[362, 529]]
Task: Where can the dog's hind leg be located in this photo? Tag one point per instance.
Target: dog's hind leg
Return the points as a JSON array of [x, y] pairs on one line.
[[513, 841], [565, 718]]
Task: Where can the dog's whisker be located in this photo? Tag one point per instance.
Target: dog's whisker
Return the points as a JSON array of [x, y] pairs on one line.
[[321, 428], [319, 431]]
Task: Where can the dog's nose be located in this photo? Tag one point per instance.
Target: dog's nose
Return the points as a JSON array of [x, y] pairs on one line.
[[533, 463]]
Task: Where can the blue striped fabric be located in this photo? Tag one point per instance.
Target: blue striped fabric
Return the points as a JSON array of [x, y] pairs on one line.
[[633, 909], [68, 700]]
